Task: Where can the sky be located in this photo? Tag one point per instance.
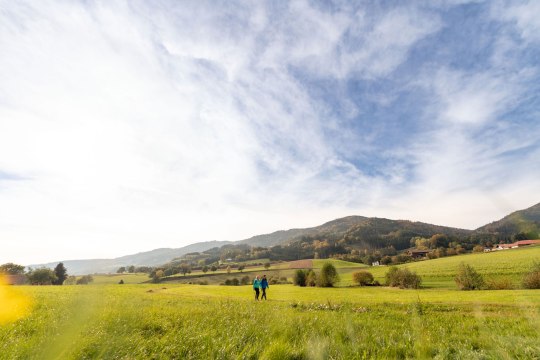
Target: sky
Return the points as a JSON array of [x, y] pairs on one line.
[[127, 126]]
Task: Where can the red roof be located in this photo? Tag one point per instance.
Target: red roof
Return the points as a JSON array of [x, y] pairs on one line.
[[527, 242], [519, 243]]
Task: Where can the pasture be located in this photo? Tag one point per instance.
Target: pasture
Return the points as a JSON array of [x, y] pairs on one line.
[[106, 320], [221, 322]]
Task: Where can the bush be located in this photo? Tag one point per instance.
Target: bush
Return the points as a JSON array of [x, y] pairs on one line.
[[85, 280], [499, 284], [328, 276], [531, 280], [478, 248], [311, 278], [245, 280], [299, 278], [468, 279], [362, 278], [402, 278], [232, 282]]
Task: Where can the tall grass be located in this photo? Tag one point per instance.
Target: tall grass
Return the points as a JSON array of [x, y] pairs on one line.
[[218, 322]]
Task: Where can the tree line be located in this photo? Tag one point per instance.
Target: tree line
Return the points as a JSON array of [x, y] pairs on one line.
[[45, 276]]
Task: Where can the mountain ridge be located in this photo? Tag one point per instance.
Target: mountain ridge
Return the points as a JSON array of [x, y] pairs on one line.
[[353, 227]]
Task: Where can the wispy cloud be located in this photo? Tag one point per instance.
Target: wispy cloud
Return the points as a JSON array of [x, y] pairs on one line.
[[138, 125]]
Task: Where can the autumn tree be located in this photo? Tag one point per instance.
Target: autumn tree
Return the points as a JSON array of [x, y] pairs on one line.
[[328, 276]]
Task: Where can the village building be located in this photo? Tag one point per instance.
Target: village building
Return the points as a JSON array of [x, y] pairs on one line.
[[516, 244], [418, 254]]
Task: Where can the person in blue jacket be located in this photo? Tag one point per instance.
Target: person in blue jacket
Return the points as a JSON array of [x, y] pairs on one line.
[[256, 286], [264, 286]]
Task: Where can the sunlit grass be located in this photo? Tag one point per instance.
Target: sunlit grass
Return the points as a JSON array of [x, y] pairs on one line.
[[222, 322]]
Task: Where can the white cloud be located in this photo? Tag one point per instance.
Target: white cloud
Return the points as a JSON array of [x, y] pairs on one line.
[[139, 125]]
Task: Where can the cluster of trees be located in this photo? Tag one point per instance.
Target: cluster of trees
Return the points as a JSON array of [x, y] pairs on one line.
[[327, 277], [134, 269], [187, 266], [39, 276], [45, 276]]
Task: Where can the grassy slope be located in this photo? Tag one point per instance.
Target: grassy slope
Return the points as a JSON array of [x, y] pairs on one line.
[[437, 273], [440, 272]]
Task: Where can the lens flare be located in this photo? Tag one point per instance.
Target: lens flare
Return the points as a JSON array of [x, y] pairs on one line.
[[13, 304]]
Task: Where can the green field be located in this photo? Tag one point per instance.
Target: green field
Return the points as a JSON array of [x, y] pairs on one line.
[[219, 322], [177, 321], [511, 264], [437, 273]]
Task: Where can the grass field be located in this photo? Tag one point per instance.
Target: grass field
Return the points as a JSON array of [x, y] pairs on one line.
[[437, 273], [511, 264], [106, 320], [219, 322]]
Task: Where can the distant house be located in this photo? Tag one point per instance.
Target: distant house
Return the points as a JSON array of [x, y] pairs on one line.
[[418, 254], [375, 263], [505, 246], [517, 244]]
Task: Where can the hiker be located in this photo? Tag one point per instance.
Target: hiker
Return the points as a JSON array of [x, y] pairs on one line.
[[264, 286], [256, 286]]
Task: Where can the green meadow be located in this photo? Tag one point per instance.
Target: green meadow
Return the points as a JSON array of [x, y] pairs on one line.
[[106, 320]]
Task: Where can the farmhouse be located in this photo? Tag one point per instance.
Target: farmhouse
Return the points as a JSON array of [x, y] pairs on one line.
[[417, 254], [517, 244]]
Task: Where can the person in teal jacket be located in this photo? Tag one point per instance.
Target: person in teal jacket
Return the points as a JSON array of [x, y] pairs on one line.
[[256, 286], [264, 286]]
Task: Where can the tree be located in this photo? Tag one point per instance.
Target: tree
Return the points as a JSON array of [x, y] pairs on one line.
[[131, 269], [11, 269], [267, 265], [241, 268], [213, 268], [185, 269], [158, 275], [229, 269], [121, 270], [85, 280], [205, 269], [299, 278], [41, 276], [61, 274], [328, 276], [478, 248], [311, 278], [468, 279], [362, 278]]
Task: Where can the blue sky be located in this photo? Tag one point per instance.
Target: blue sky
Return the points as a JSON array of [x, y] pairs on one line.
[[127, 126]]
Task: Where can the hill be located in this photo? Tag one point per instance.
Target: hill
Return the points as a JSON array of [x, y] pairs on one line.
[[148, 258], [524, 222], [351, 232]]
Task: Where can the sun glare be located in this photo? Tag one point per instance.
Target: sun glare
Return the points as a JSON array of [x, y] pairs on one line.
[[13, 304]]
